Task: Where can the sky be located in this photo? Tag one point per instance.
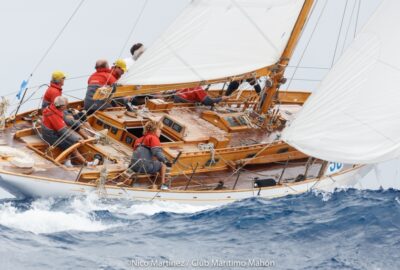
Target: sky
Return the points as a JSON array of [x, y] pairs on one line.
[[99, 29], [34, 40]]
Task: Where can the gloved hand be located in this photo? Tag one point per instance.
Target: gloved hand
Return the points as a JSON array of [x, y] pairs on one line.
[[82, 116]]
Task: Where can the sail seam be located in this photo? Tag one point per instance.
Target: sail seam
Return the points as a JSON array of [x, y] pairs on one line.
[[389, 65], [371, 128], [255, 25]]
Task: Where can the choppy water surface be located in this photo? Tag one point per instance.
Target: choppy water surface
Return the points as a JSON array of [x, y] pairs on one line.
[[345, 230]]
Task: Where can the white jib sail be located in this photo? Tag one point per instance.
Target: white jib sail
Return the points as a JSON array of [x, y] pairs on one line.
[[215, 39], [354, 116]]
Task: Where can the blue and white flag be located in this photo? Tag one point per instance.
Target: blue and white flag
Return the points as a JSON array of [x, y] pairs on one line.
[[23, 86]]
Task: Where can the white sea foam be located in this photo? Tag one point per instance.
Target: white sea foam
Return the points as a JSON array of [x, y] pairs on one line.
[[49, 215], [40, 218], [127, 207], [151, 208], [325, 195]]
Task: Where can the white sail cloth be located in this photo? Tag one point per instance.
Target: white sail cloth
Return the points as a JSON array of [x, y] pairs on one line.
[[215, 39], [354, 116]]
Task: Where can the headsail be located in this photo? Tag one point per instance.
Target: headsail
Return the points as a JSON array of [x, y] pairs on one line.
[[216, 39], [354, 116]]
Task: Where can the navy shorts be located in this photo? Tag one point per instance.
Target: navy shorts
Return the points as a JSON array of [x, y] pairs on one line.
[[146, 166]]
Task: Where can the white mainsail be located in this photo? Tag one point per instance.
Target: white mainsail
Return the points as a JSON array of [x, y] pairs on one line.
[[216, 39], [354, 116]]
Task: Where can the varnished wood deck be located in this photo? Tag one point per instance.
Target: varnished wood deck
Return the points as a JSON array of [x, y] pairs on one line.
[[230, 147]]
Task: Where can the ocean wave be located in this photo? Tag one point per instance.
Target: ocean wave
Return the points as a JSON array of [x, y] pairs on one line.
[[41, 217], [352, 229], [89, 213]]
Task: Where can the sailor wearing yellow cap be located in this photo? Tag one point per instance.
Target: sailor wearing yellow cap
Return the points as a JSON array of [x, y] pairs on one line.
[[55, 88], [119, 68]]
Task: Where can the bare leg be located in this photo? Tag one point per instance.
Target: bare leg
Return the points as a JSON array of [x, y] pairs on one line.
[[162, 172]]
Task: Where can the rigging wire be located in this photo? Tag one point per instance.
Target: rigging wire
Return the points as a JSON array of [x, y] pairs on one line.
[[57, 37], [70, 130], [308, 67], [340, 31], [28, 99], [349, 26], [39, 98], [12, 92], [168, 93], [25, 82], [133, 28], [109, 76], [309, 41], [357, 18]]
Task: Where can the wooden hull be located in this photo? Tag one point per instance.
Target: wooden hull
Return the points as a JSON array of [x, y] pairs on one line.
[[27, 186]]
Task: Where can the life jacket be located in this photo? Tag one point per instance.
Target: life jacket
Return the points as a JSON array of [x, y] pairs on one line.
[[53, 118], [102, 76], [149, 140], [142, 147], [195, 94], [52, 92]]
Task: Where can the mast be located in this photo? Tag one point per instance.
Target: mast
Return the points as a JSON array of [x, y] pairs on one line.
[[278, 70]]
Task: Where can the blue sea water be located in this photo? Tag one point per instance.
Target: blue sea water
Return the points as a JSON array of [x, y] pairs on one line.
[[348, 229]]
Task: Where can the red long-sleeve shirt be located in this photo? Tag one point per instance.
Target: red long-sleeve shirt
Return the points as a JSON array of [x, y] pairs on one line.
[[52, 92], [195, 94], [102, 76], [53, 118], [149, 139]]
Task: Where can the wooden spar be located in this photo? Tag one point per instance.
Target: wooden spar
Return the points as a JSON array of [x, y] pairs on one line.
[[130, 90], [287, 53]]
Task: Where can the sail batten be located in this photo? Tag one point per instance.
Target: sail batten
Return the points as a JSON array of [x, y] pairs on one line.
[[354, 115], [217, 39]]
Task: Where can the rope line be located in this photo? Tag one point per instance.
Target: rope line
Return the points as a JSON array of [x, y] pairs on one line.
[[57, 37]]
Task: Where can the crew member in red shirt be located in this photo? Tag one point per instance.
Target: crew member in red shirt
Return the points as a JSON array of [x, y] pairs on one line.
[[102, 77], [54, 129], [55, 88], [196, 94], [147, 155]]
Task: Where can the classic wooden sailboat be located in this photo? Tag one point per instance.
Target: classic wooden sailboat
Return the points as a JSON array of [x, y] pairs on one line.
[[221, 154]]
